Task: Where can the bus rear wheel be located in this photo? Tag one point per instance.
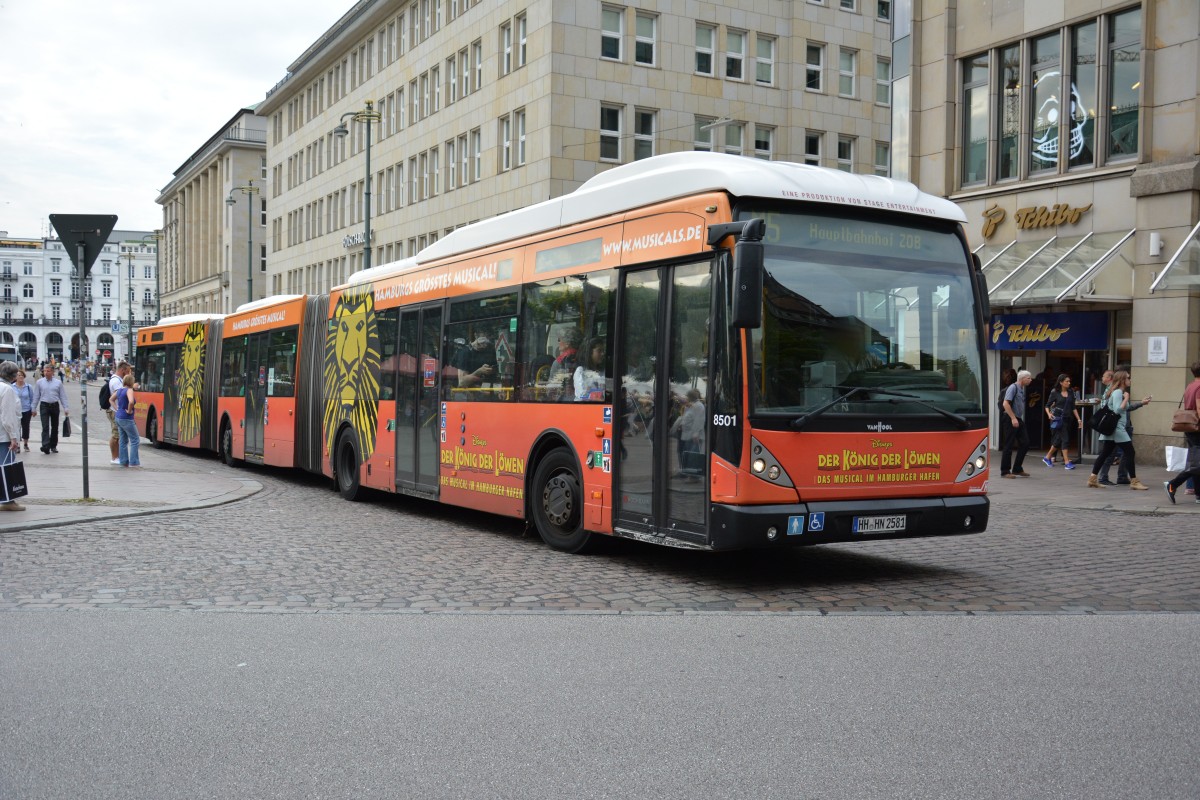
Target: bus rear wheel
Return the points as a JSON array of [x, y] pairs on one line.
[[557, 503], [345, 467]]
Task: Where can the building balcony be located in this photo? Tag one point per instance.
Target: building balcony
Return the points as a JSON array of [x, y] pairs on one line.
[[8, 275], [148, 303], [9, 301]]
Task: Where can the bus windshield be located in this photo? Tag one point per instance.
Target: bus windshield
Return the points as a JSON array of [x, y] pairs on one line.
[[864, 315]]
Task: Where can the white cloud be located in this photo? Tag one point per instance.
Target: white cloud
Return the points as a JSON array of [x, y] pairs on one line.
[[101, 102]]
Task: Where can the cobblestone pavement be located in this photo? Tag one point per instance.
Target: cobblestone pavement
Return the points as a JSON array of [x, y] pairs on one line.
[[296, 546]]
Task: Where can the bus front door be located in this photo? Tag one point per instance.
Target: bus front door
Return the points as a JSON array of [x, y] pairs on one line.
[[418, 442], [661, 426], [256, 394]]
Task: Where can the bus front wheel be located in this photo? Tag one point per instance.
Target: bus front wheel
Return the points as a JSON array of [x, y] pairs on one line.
[[227, 445], [345, 467], [152, 431], [557, 503]]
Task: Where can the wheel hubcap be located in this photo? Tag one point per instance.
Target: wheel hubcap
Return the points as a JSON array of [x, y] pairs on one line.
[[558, 500]]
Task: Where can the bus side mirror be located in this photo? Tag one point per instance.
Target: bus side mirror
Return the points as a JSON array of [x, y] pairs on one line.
[[747, 284], [985, 300]]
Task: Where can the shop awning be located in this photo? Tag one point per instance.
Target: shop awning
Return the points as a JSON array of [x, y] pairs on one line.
[[1183, 270], [1051, 270]]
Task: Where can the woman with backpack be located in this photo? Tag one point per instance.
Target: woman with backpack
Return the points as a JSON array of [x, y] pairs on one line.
[[1116, 399], [124, 404]]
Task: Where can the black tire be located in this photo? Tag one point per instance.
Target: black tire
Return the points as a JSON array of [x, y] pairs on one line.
[[227, 445], [345, 467], [556, 503], [152, 432]]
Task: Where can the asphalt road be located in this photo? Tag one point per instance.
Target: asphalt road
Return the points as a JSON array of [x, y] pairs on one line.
[[294, 645]]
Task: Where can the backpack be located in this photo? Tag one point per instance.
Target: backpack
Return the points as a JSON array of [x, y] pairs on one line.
[[105, 396]]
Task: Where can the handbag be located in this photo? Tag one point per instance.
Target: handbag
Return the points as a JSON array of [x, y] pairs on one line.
[[1056, 423], [1176, 458], [1185, 420], [1104, 421], [66, 427], [12, 481]]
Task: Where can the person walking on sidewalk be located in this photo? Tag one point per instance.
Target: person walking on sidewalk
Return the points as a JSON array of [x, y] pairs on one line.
[[1122, 468], [1064, 419], [10, 423], [124, 404], [1191, 399], [1117, 400], [25, 395], [1017, 433], [50, 398]]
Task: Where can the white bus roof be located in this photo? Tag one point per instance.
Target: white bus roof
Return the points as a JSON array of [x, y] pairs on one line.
[[267, 301], [674, 175], [178, 318]]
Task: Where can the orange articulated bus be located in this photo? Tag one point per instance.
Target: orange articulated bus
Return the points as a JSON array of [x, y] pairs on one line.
[[697, 350], [175, 395]]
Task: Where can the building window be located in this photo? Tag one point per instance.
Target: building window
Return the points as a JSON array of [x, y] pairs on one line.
[[764, 142], [506, 48], [849, 5], [522, 52], [645, 37], [845, 153], [814, 78], [1066, 96], [706, 36], [464, 157], [764, 60], [975, 119], [882, 158], [451, 166], [883, 10], [612, 29], [477, 57], [476, 155], [519, 137], [610, 133], [702, 138], [27, 291], [435, 83], [735, 54], [1124, 84], [1045, 101], [847, 66], [812, 147], [735, 138], [643, 134], [883, 81], [505, 143]]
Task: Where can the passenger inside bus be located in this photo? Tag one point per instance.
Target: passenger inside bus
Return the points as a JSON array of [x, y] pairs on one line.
[[476, 363], [589, 377]]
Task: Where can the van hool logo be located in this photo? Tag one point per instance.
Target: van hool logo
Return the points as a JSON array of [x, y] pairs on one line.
[[879, 427]]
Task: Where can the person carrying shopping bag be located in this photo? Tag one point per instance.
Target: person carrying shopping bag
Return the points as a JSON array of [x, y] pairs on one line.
[[1191, 399], [1116, 399]]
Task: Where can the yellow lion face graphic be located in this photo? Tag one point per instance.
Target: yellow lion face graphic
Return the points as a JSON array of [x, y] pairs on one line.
[[189, 380], [352, 369]]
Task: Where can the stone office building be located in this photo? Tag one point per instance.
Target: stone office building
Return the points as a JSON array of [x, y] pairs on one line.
[[476, 108], [1067, 132]]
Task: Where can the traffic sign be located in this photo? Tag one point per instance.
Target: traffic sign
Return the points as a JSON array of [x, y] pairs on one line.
[[89, 230]]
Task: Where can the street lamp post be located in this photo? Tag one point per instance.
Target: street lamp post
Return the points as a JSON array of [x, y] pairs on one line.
[[249, 190], [129, 346], [155, 237], [368, 114]]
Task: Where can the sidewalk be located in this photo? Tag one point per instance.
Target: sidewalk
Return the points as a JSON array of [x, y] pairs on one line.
[[165, 483], [1062, 489]]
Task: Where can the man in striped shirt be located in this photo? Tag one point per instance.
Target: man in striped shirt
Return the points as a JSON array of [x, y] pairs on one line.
[[50, 399]]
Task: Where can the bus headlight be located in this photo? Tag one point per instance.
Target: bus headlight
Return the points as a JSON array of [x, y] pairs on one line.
[[766, 466], [975, 463]]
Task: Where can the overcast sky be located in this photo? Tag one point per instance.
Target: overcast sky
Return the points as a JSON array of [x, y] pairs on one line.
[[100, 102]]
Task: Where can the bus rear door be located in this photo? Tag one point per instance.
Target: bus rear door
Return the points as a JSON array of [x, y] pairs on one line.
[[661, 462], [256, 393]]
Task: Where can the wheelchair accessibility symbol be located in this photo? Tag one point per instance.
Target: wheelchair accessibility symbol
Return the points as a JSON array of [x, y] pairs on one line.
[[816, 521]]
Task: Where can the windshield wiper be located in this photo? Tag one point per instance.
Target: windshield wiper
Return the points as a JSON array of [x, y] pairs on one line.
[[802, 420]]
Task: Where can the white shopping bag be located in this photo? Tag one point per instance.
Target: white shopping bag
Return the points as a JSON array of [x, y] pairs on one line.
[[1176, 458]]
